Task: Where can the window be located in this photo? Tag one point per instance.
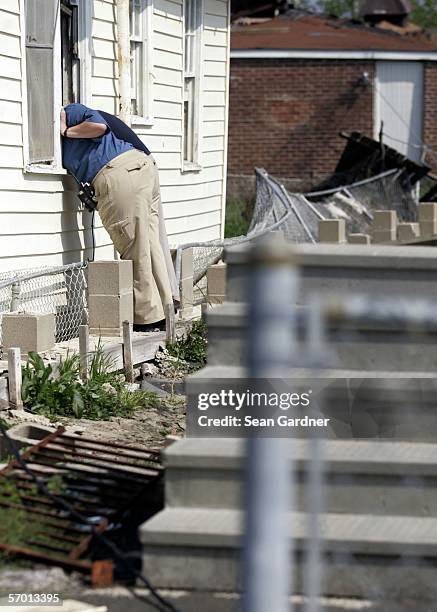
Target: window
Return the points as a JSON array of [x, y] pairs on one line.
[[141, 60], [192, 63], [70, 52], [56, 35]]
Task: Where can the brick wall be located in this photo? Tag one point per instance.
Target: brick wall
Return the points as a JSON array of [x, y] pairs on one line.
[[285, 115], [430, 112]]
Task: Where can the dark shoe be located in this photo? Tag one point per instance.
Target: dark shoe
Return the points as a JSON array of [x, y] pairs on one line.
[[149, 327]]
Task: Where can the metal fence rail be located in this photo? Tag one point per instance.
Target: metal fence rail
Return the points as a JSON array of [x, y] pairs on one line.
[[60, 290]]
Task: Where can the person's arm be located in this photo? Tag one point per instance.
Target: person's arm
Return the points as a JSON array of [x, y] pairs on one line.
[[86, 129]]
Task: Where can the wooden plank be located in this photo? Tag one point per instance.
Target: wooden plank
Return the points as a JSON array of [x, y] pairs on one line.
[[127, 351], [102, 86], [187, 192], [215, 22], [212, 143], [167, 93], [84, 351], [10, 67], [173, 177], [10, 45], [104, 49], [11, 156], [170, 323], [174, 210], [203, 233], [214, 7], [14, 375], [10, 134], [172, 27], [192, 223], [10, 88], [168, 9], [11, 6], [169, 109], [166, 42], [57, 242], [166, 59], [9, 22], [106, 68], [12, 262]]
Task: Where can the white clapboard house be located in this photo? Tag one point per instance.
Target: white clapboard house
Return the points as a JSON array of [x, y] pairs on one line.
[[56, 51]]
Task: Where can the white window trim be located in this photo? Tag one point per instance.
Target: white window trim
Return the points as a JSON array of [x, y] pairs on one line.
[[85, 24], [194, 166], [147, 119]]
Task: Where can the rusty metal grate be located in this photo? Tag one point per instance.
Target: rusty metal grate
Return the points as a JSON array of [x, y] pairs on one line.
[[100, 480]]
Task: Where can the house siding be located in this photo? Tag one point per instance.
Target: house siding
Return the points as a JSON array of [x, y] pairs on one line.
[[39, 221]]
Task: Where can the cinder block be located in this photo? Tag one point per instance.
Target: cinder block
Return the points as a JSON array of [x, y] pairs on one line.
[[29, 331], [110, 277], [408, 231], [216, 279], [107, 312], [384, 220], [428, 228], [187, 263], [384, 237], [427, 211], [358, 239], [332, 230]]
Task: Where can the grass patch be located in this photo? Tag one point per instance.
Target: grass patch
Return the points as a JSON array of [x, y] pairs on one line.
[[64, 394], [192, 346], [15, 527], [237, 219]]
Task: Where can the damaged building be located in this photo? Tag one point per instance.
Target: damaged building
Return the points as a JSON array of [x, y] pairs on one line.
[[299, 79]]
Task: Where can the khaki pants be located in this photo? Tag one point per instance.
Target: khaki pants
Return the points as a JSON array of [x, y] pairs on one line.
[[128, 195]]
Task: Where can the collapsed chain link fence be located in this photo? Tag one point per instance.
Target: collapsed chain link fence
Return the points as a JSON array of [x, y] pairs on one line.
[[297, 215], [57, 290]]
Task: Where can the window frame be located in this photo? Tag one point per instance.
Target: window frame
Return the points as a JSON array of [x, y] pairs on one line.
[[145, 38], [84, 25], [196, 76]]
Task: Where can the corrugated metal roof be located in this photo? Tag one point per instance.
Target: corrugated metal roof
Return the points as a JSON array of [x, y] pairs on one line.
[[320, 33]]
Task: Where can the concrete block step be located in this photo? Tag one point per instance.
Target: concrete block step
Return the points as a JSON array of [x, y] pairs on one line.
[[375, 269], [363, 555], [371, 404], [366, 346], [360, 476]]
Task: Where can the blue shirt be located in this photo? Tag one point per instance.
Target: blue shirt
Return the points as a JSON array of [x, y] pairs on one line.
[[84, 157]]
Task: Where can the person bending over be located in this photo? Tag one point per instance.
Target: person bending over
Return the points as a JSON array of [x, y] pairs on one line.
[[126, 184]]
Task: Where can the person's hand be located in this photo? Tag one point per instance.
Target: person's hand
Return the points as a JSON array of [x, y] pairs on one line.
[[63, 121]]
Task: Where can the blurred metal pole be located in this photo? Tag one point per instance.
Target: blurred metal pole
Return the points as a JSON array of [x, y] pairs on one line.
[[271, 348], [317, 358]]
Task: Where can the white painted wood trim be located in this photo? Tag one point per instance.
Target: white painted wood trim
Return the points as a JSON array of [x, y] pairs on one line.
[[226, 137], [86, 12], [413, 56], [196, 165], [147, 119]]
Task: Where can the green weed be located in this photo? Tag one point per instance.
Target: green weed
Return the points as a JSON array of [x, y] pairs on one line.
[[192, 346], [64, 394]]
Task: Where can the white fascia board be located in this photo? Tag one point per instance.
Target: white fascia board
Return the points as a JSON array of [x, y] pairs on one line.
[[412, 56]]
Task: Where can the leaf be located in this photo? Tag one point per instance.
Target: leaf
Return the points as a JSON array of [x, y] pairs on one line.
[[77, 405]]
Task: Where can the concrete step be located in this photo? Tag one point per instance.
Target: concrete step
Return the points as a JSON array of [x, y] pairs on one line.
[[371, 404], [366, 346], [360, 476], [374, 269], [390, 556]]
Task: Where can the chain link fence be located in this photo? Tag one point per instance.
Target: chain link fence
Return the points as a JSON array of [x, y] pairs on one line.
[[60, 290]]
